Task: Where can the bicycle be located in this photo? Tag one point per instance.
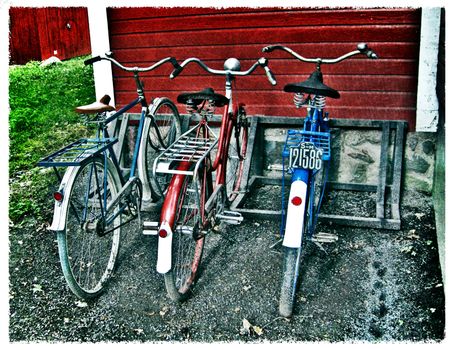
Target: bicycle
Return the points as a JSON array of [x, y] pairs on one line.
[[306, 157], [194, 204], [95, 199]]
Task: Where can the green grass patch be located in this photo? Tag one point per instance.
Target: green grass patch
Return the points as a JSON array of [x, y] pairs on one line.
[[42, 120]]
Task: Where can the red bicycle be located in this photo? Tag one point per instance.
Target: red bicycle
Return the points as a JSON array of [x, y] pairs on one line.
[[193, 202]]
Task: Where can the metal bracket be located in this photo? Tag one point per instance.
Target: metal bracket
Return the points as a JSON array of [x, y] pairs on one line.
[[382, 189]]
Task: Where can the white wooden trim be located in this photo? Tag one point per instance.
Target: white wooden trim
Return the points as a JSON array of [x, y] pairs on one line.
[[99, 38], [427, 101]]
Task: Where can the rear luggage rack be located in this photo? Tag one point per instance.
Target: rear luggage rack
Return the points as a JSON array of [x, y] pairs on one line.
[[186, 148], [77, 153]]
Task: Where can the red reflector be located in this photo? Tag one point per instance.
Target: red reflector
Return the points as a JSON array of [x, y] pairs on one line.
[[58, 196], [297, 200], [162, 233]]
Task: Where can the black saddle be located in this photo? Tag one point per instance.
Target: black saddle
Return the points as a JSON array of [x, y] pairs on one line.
[[313, 85], [197, 98]]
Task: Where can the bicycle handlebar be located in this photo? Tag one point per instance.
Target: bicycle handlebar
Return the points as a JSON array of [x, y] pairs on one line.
[[263, 62], [108, 57], [362, 48]]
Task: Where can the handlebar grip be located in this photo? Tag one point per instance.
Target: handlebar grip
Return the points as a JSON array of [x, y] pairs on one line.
[[176, 71], [364, 49], [270, 75], [92, 60], [371, 54], [269, 48], [177, 67]]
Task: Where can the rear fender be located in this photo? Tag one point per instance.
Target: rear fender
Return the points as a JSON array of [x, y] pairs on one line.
[[60, 208], [294, 225], [168, 212]]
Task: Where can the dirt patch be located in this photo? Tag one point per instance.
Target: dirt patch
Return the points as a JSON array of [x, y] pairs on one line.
[[372, 285]]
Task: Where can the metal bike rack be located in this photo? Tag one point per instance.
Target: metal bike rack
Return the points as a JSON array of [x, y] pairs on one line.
[[385, 193]]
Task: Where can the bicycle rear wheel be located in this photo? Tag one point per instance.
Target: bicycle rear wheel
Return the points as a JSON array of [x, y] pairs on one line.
[[293, 257], [87, 253], [187, 240], [160, 130], [236, 160]]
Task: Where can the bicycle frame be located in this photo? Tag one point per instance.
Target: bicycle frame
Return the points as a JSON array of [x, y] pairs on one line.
[[59, 219], [228, 121]]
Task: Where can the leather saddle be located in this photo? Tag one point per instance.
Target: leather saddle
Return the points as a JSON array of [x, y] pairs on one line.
[[96, 107]]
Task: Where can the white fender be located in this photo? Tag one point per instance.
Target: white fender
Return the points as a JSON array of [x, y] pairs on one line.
[[294, 225], [60, 208], [141, 167], [59, 220], [164, 263]]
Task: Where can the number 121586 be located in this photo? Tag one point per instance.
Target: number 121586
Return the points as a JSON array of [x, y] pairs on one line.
[[305, 156]]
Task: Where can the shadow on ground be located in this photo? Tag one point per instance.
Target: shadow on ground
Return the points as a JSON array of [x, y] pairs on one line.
[[372, 285]]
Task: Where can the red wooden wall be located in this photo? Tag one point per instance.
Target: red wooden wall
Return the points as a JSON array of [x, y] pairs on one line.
[[36, 33], [370, 89]]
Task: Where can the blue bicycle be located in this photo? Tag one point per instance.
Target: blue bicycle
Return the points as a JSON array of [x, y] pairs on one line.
[[306, 157]]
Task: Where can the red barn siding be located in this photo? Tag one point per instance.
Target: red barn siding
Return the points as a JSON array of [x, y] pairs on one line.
[[379, 89], [37, 33]]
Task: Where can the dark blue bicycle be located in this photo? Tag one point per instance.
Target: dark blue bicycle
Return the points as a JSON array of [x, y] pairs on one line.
[[306, 157], [95, 198]]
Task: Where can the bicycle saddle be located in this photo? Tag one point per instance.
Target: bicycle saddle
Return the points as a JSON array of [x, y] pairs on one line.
[[96, 107], [313, 85], [197, 98]]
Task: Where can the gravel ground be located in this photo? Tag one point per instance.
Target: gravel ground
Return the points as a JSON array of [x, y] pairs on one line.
[[370, 286]]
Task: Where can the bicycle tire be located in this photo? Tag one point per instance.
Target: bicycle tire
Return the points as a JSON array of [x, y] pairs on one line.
[[186, 250], [292, 257], [88, 259], [236, 161], [164, 116]]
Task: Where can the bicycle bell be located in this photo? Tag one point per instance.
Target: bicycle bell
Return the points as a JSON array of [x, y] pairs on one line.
[[232, 64]]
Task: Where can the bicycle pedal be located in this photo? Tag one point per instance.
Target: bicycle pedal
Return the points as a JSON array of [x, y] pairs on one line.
[[184, 230], [230, 217], [150, 228], [325, 237]]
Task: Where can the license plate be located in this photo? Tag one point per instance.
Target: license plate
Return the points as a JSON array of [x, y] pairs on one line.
[[306, 156]]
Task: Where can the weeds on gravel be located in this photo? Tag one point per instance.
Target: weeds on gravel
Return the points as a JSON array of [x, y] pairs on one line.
[[42, 120]]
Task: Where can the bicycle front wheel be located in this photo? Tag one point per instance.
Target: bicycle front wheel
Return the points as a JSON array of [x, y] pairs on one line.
[[88, 248], [187, 240], [160, 130], [236, 160], [290, 268]]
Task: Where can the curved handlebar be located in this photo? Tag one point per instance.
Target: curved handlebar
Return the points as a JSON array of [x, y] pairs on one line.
[[108, 57], [361, 48], [263, 62]]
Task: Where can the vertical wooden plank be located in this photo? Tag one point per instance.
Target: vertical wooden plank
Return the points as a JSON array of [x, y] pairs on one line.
[[397, 171], [24, 37], [381, 186], [99, 34]]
